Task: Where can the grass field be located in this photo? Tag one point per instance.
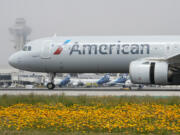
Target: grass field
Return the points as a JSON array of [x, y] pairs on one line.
[[89, 115]]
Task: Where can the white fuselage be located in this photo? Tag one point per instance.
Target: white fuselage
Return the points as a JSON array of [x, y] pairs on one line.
[[92, 54]]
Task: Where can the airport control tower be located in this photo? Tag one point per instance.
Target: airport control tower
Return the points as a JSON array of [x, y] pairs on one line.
[[20, 32]]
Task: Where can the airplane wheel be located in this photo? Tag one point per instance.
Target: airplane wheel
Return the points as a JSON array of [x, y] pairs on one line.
[[50, 86]]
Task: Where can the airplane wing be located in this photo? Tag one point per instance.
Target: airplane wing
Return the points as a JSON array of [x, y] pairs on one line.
[[174, 59]]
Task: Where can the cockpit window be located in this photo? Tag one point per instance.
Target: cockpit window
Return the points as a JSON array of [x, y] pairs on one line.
[[29, 48], [26, 48]]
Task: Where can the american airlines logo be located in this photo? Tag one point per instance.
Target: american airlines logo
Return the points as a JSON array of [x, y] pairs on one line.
[[108, 49], [105, 49], [60, 49]]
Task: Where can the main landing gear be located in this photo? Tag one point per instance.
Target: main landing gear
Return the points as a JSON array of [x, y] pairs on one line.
[[51, 84]]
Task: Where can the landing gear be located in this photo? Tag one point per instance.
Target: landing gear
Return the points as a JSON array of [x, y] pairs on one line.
[[51, 84]]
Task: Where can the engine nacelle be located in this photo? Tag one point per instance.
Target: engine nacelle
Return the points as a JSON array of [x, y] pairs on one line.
[[146, 72]]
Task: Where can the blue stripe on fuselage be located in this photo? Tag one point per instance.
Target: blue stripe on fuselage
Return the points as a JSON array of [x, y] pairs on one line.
[[66, 42]]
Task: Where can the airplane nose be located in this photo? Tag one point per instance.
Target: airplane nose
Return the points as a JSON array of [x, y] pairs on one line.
[[13, 60]]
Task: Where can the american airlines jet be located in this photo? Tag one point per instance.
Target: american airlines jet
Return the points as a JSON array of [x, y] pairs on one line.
[[148, 59]]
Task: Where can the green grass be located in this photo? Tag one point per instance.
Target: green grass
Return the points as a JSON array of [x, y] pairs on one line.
[[86, 100]]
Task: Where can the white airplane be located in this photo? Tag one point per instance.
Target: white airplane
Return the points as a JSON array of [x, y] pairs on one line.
[[59, 82], [120, 81], [98, 82], [148, 59]]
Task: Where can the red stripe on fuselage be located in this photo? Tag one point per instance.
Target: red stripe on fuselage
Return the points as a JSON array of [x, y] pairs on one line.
[[58, 51]]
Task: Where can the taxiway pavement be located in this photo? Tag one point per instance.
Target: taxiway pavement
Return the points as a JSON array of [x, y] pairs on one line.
[[93, 92]]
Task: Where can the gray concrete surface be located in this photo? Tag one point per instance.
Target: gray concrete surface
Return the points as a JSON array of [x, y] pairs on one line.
[[93, 92], [96, 89]]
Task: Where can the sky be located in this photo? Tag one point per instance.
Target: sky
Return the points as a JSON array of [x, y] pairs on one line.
[[87, 17]]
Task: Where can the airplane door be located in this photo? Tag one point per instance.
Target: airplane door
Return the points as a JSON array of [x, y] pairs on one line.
[[45, 55], [45, 51]]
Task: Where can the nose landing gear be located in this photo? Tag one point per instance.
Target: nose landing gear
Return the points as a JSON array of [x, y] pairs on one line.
[[51, 84]]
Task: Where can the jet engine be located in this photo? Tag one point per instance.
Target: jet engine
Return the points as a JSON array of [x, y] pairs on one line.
[[153, 72]]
